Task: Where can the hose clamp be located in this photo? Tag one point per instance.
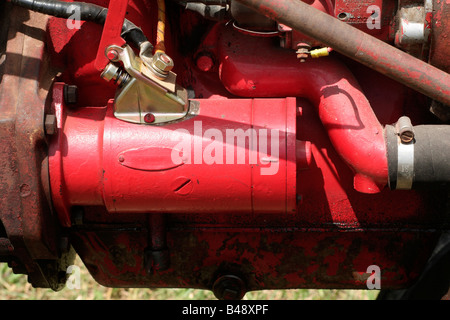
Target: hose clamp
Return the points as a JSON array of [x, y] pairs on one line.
[[405, 164]]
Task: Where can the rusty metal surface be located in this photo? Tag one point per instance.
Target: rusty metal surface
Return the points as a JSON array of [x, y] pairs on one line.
[[25, 214], [328, 243], [265, 259], [440, 39], [358, 45]]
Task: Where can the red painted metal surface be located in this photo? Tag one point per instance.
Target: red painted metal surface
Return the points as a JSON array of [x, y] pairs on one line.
[[326, 243], [111, 31], [440, 42], [238, 156], [263, 258], [293, 39], [360, 14], [137, 219], [358, 45], [344, 110]]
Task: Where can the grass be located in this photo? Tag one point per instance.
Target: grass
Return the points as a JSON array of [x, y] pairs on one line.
[[16, 287]]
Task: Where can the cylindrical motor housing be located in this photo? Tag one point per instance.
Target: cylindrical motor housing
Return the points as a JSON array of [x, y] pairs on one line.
[[228, 158]]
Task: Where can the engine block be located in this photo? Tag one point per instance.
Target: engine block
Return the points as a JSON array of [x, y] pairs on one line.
[[228, 145]]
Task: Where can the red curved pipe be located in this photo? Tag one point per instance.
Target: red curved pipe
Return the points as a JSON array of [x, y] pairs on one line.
[[255, 67]]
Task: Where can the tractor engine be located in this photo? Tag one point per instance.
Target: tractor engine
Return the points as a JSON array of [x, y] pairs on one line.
[[227, 145]]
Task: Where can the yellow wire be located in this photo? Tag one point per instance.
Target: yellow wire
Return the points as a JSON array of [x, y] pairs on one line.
[[160, 47]]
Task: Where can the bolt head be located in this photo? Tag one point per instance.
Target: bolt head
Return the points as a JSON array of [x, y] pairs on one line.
[[110, 72], [229, 287], [205, 62], [50, 124], [162, 62], [113, 55], [407, 136], [70, 94], [149, 118]]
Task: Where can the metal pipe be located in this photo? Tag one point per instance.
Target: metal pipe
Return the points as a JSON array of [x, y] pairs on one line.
[[345, 112], [358, 45]]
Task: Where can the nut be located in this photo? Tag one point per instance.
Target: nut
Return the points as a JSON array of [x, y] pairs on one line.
[[70, 94], [50, 124], [162, 62], [303, 51]]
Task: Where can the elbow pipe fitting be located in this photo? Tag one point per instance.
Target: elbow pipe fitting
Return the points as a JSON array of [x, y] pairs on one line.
[[354, 130], [402, 156], [358, 46]]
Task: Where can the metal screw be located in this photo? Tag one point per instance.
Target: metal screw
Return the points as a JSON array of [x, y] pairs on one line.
[[70, 94], [50, 124], [149, 118], [405, 129], [407, 136]]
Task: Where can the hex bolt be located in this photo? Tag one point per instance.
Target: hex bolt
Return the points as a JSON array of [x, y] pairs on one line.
[[70, 94], [161, 64], [50, 124], [166, 59], [229, 287]]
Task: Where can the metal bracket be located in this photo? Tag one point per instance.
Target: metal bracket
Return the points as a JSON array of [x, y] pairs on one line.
[[142, 96], [111, 31]]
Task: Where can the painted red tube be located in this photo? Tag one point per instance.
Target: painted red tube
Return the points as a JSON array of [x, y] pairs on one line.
[[358, 45], [254, 67]]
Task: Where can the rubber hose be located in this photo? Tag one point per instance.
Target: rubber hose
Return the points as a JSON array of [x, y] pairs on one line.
[[88, 12]]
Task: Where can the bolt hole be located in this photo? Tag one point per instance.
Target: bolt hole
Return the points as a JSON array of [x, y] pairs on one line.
[[343, 16]]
